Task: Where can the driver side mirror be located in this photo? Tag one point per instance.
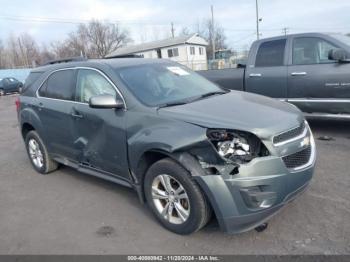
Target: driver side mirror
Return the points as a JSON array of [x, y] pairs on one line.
[[106, 101], [337, 54]]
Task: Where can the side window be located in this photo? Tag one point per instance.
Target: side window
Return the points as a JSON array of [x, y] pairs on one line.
[[173, 52], [201, 50], [59, 85], [311, 50], [92, 83], [170, 52], [271, 53], [192, 50]]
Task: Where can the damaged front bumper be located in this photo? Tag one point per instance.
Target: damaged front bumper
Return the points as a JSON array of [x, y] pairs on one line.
[[262, 187]]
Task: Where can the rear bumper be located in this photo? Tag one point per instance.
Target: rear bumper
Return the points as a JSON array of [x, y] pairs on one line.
[[261, 188]]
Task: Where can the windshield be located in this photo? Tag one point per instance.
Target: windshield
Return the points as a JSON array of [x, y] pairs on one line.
[[160, 84], [342, 38]]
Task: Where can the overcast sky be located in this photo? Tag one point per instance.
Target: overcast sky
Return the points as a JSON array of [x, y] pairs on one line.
[[150, 19]]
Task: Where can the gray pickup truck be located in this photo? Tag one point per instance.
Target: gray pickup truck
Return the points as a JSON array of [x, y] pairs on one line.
[[311, 71]]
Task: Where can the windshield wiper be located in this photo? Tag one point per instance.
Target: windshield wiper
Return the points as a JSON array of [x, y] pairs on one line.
[[176, 103], [209, 94]]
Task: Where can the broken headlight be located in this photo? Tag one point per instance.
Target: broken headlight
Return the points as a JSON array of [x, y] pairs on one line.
[[237, 146]]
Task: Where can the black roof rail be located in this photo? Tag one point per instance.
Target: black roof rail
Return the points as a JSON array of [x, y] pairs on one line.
[[65, 60], [124, 56]]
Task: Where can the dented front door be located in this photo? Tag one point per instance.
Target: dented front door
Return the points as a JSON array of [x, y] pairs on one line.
[[100, 139], [99, 134]]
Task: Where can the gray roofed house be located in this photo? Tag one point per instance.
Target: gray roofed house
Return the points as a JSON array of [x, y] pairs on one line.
[[189, 50]]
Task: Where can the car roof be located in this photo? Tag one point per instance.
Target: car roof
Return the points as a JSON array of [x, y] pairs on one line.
[[112, 62]]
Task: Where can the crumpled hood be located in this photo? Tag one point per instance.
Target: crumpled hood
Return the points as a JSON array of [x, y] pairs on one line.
[[253, 113]]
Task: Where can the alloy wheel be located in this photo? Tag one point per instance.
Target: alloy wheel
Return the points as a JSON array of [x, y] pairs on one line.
[[170, 199], [35, 153]]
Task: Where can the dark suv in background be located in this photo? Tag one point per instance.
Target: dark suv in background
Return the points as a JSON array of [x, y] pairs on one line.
[[184, 144]]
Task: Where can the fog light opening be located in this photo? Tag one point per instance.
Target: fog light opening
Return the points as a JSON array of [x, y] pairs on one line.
[[234, 171], [211, 170]]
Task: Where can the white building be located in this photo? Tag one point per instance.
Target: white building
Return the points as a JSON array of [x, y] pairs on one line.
[[187, 50]]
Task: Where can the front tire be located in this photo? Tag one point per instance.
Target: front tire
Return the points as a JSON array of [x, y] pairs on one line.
[[175, 198], [2, 92], [38, 155]]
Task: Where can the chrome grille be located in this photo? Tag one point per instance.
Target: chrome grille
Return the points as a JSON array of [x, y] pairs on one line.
[[298, 159], [290, 134]]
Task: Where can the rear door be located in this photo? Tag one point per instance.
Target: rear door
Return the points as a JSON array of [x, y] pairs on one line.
[[315, 83], [268, 75], [54, 106], [99, 134]]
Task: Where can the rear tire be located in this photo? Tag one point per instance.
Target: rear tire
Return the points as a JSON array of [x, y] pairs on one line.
[[38, 155], [190, 210]]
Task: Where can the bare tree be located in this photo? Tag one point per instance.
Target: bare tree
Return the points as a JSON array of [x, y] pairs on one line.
[[20, 51], [185, 31], [29, 50], [45, 54], [98, 39], [92, 40], [2, 56], [218, 34]]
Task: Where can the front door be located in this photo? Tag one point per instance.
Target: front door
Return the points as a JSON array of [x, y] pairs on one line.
[[315, 83], [268, 76], [99, 134]]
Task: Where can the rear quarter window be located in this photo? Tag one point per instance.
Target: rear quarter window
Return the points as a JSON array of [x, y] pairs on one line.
[[28, 88]]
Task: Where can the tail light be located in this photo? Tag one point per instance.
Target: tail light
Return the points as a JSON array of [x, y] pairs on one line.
[[18, 104]]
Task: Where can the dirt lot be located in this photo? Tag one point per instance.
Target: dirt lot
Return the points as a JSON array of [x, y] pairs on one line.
[[70, 213]]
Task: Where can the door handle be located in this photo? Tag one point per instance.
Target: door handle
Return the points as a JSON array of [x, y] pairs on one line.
[[255, 75], [299, 74], [76, 115]]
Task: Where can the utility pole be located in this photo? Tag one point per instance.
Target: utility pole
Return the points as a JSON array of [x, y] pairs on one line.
[[212, 31], [285, 30], [257, 19], [172, 30]]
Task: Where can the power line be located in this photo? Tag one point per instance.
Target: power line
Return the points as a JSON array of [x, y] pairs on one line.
[[74, 21], [137, 22]]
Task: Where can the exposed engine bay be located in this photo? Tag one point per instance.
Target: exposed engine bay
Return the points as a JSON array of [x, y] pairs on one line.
[[237, 146]]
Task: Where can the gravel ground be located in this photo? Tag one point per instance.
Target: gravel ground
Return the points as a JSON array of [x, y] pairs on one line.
[[70, 213]]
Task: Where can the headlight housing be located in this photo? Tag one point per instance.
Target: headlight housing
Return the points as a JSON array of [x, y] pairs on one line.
[[236, 146]]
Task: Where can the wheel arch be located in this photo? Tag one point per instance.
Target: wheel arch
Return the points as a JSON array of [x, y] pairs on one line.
[[30, 120], [26, 128], [148, 158]]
